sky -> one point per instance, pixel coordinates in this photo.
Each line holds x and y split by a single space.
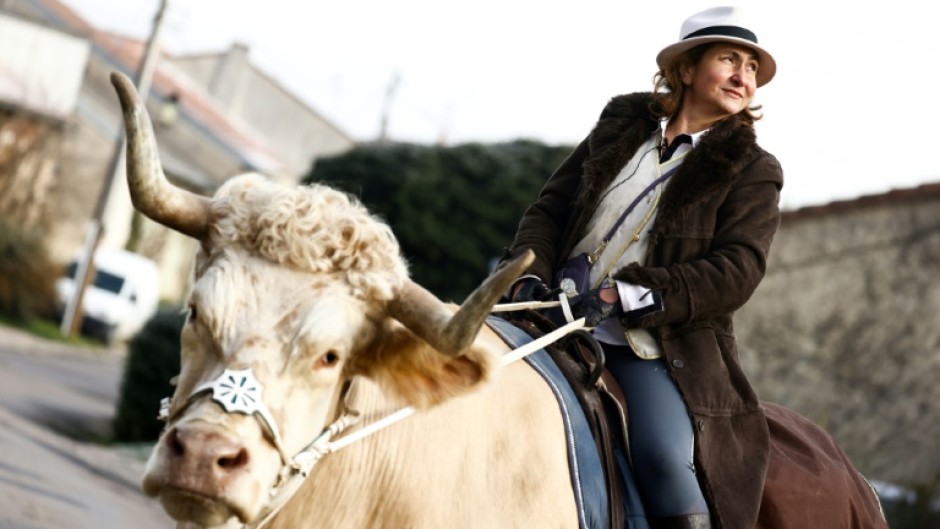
853 110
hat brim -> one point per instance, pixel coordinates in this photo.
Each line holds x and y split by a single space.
768 66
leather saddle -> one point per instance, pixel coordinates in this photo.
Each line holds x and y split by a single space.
581 361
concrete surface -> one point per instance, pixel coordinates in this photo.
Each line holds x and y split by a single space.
49 480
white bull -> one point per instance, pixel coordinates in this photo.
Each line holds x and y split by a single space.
307 290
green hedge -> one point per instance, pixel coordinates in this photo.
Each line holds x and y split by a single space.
453 208
153 358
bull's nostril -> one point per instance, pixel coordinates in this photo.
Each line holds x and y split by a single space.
232 462
197 447
174 444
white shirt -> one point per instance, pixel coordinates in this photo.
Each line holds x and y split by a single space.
631 240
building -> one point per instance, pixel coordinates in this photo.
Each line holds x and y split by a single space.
215 115
41 71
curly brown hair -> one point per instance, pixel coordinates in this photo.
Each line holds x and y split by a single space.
668 89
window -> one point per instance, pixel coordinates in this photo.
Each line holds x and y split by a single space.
103 280
108 281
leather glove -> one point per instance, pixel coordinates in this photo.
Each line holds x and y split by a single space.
532 289
592 308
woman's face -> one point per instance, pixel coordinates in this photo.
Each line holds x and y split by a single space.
722 83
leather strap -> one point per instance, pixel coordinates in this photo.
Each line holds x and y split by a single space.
639 197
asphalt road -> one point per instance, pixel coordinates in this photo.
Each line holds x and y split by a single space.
54 400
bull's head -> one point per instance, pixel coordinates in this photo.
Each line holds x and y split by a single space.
302 290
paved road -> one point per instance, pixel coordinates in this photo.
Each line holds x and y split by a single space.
48 480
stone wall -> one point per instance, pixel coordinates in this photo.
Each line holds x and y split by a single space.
29 146
845 328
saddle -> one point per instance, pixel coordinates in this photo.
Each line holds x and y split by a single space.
581 361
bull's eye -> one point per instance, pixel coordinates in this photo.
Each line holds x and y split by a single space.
328 359
192 313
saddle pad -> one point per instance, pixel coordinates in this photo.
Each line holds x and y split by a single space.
587 474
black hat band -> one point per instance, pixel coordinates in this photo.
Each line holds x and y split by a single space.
724 31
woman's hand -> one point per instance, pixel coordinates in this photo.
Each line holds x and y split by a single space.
596 306
530 289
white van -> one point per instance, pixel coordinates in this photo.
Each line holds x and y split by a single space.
123 295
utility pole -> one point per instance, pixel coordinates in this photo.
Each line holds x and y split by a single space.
72 317
387 106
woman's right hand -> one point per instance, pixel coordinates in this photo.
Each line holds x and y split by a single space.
530 289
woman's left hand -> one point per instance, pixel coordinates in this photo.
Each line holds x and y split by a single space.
596 306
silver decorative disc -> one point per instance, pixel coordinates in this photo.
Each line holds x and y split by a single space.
238 391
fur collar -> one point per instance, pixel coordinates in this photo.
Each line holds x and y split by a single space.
626 123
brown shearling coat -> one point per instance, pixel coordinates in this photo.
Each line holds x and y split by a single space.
708 252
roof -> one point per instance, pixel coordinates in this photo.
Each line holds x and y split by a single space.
921 193
195 104
218 55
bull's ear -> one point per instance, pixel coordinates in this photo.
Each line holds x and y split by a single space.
409 369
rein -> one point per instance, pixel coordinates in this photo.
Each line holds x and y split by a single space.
238 391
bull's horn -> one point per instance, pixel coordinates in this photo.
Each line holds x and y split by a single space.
151 193
428 317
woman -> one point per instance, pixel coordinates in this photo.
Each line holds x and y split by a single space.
699 200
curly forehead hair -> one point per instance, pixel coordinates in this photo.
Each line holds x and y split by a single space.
668 89
312 228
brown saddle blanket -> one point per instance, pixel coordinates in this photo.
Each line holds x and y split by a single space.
810 481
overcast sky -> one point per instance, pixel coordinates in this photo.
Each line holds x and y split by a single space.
853 110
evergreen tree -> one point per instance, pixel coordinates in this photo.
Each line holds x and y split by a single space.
453 209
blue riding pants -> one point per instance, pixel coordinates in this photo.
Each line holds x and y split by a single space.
661 435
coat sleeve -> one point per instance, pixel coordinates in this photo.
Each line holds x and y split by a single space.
722 280
544 222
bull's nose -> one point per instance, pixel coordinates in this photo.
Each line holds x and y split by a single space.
212 455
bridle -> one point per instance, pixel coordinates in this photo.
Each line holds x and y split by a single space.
239 391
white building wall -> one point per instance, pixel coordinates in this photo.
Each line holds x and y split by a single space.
41 69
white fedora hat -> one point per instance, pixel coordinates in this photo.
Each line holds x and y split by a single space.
719 24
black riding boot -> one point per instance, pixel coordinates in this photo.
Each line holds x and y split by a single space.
689 521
